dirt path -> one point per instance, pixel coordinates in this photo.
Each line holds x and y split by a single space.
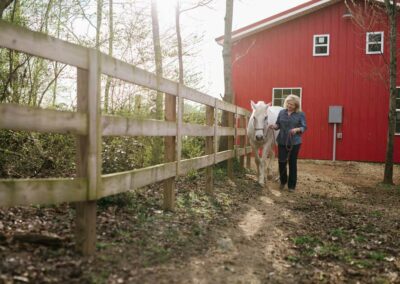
258 247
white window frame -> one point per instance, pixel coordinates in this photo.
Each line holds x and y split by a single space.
286 88
315 45
367 42
397 110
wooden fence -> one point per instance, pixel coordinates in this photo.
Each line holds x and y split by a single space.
89 126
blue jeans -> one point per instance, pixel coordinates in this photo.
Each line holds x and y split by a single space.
288 154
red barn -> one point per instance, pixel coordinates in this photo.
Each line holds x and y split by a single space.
317 51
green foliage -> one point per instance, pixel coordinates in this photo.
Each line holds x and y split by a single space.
27 155
122 154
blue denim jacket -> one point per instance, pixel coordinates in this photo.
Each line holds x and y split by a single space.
286 122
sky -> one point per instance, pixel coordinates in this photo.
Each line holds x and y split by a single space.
210 22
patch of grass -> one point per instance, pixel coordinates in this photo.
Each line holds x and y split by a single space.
362 263
338 232
376 255
329 250
376 213
305 240
360 239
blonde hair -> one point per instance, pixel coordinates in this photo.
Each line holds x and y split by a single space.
294 99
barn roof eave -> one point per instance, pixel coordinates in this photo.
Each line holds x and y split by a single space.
283 17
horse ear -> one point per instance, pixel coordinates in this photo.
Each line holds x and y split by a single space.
253 105
268 104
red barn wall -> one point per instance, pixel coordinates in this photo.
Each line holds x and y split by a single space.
281 57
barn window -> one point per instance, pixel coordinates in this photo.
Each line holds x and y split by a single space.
398 111
321 45
374 43
279 95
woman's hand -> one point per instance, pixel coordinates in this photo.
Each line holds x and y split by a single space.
295 130
272 126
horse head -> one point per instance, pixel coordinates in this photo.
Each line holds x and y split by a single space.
259 119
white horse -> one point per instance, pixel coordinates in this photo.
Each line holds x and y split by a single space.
261 136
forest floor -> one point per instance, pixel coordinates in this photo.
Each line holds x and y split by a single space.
339 226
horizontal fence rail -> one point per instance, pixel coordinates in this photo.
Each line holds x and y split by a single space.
89 126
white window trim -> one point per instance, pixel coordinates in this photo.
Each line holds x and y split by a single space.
316 45
397 110
367 43
287 88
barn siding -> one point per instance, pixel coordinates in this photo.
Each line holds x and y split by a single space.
282 57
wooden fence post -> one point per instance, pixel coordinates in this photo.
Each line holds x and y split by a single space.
248 156
170 153
210 150
242 140
88 153
230 145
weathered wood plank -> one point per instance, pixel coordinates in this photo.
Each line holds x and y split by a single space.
123 126
241 131
242 139
226 106
224 155
121 182
170 154
24 118
226 131
248 149
210 149
94 125
41 45
247 143
196 163
179 122
243 111
41 191
196 96
127 72
197 130
240 152
88 154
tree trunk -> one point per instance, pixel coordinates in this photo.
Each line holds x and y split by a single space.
226 54
98 24
56 73
110 52
179 38
157 142
391 12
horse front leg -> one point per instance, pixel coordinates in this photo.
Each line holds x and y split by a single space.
271 157
259 164
261 177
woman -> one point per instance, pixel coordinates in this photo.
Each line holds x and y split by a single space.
292 123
